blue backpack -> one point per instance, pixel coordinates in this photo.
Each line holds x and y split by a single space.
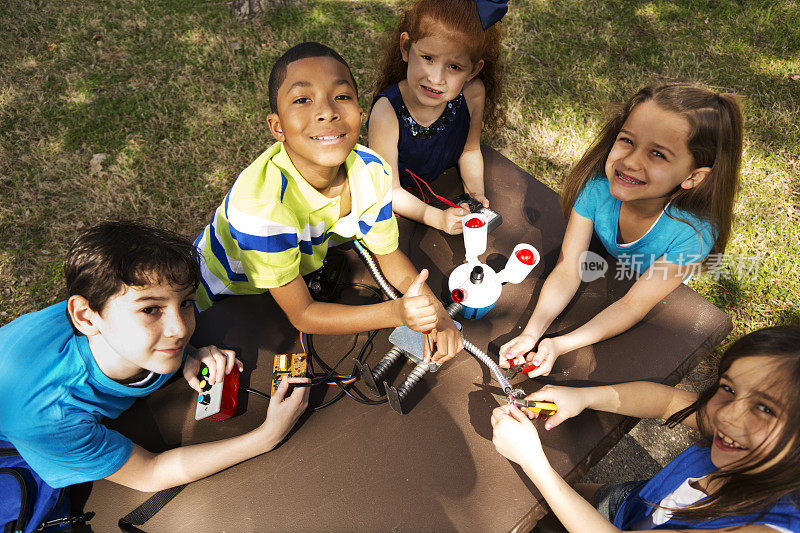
27 503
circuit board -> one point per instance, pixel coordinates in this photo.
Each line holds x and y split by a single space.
292 365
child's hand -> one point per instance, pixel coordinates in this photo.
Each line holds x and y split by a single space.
450 220
481 198
516 438
219 362
283 410
516 350
443 342
571 401
544 357
416 309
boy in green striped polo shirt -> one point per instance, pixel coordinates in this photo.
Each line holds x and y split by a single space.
312 186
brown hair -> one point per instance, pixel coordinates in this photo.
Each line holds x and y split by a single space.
715 141
107 257
456 18
745 490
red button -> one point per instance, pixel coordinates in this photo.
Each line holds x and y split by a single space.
458 295
474 222
525 256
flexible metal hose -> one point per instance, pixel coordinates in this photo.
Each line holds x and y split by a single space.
386 363
412 379
452 309
376 273
481 356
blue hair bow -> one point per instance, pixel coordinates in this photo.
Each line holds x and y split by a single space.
491 11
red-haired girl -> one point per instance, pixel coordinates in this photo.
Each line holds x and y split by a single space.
439 76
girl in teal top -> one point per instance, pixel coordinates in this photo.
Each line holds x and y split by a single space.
657 186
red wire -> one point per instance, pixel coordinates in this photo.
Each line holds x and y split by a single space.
417 181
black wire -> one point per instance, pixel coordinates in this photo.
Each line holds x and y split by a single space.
331 371
339 362
369 287
361 357
345 388
365 401
326 404
256 392
330 374
313 353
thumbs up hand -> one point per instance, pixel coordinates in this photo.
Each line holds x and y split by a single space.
416 308
415 289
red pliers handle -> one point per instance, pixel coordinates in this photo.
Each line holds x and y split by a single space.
516 369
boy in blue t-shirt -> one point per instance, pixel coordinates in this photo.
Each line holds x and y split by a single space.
121 334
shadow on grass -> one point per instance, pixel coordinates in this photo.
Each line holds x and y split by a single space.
175 94
728 293
787 317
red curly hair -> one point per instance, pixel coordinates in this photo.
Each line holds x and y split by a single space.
456 19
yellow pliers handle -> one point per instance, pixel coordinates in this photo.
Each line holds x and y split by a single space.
545 408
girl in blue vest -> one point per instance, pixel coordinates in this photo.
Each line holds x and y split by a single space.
743 475
439 74
657 187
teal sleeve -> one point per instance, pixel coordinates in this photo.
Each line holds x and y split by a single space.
586 202
74 452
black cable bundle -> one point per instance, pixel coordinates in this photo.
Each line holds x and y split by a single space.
348 389
329 375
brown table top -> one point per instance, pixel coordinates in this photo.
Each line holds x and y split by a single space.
353 467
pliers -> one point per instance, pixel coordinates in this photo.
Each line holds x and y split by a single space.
513 370
545 408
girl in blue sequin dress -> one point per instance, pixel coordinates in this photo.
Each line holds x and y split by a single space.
439 74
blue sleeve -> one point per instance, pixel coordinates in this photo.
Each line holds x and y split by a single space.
73 452
586 202
784 514
692 243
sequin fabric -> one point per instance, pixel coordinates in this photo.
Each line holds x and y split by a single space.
440 124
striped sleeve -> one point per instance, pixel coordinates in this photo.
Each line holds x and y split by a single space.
251 244
377 224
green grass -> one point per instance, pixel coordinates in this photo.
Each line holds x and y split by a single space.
174 93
